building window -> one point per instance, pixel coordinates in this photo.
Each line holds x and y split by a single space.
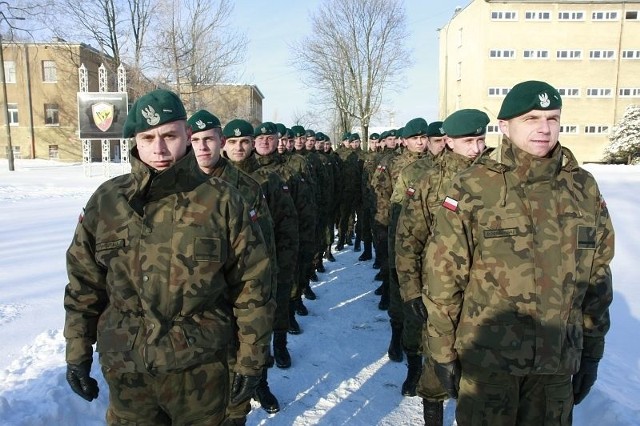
493 129
53 152
629 92
632 15
569 92
16 152
602 54
537 16
604 16
569 54
598 92
596 129
570 16
459 37
631 54
10 71
51 115
569 129
502 53
49 72
536 54
504 16
13 114
498 91
459 70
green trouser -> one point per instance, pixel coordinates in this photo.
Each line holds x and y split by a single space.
400 316
196 396
281 315
496 398
429 386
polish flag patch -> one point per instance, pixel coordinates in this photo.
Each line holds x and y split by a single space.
450 204
410 191
253 215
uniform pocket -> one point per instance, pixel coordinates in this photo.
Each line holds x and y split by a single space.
559 403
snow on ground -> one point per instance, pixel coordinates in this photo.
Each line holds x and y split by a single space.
340 373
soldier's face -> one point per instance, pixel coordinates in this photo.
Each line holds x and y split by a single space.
354 144
390 142
290 144
372 144
299 142
206 146
265 144
238 149
282 145
310 143
327 146
417 143
435 144
163 145
535 132
319 145
467 146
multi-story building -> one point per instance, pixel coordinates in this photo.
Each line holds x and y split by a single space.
589 50
41 81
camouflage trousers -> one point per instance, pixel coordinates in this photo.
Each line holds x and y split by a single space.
197 396
429 386
399 316
495 399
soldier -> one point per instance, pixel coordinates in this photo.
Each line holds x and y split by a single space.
420 188
332 165
351 192
368 197
166 265
435 142
519 285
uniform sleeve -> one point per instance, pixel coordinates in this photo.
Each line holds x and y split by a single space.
383 188
446 275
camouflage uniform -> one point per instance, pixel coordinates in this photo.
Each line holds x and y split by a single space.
519 284
333 168
165 271
368 197
351 192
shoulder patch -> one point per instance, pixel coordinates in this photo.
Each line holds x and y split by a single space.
252 215
81 216
285 188
410 191
450 204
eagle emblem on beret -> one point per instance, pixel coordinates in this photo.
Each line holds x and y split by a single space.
151 115
544 100
263 130
237 132
200 124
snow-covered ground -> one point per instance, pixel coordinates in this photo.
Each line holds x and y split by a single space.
340 373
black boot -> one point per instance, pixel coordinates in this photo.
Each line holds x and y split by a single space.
366 254
356 246
263 395
299 307
383 305
294 327
328 255
433 412
378 291
414 370
378 276
314 277
320 268
340 245
280 352
395 351
376 264
308 293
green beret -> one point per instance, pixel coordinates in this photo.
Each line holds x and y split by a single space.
384 134
346 136
203 120
310 133
237 128
374 136
392 132
282 129
297 131
528 95
153 109
435 129
354 137
266 128
466 122
321 137
415 127
400 132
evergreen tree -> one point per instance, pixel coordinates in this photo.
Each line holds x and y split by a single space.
625 138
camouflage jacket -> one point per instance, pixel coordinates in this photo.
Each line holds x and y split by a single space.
283 212
384 180
319 173
419 192
519 278
162 269
351 175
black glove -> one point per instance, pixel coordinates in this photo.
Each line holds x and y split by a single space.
243 387
449 375
584 379
417 308
80 381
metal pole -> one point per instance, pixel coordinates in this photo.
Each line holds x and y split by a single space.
6 109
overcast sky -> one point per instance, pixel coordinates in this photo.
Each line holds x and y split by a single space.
274 25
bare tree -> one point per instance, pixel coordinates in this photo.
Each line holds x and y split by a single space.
355 53
198 47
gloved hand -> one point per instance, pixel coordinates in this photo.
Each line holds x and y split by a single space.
243 387
80 381
584 379
417 308
449 375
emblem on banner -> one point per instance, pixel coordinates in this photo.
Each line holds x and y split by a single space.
102 114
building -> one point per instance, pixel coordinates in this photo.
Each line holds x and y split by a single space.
228 102
589 50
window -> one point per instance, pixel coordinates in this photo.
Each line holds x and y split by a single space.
10 71
604 16
498 91
570 16
493 128
596 129
13 114
53 152
569 92
599 92
16 152
504 53
631 15
459 70
631 54
537 16
459 37
536 54
504 16
569 54
602 54
569 128
49 72
629 92
51 115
